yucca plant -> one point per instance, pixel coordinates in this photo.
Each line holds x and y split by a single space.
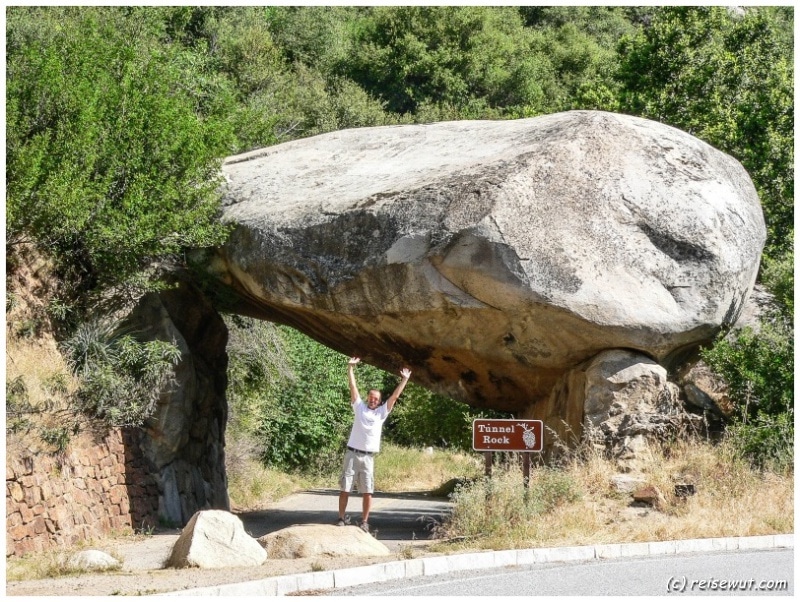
122 378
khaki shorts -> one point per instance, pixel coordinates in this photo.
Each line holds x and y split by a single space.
359 465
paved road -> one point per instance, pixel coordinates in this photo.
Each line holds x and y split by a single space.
756 572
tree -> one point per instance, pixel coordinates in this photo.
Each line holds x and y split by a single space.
113 138
457 56
280 60
581 44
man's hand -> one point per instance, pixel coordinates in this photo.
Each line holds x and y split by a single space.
353 361
405 373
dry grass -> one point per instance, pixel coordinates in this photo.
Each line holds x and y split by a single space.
399 469
49 564
254 485
38 382
42 368
577 504
38 386
41 565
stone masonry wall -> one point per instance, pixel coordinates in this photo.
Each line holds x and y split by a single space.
91 490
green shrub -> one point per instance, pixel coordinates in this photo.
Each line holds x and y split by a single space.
409 56
777 275
18 406
58 437
759 369
114 138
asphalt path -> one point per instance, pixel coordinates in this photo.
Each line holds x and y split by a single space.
743 572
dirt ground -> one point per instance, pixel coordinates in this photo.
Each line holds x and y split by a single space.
131 582
400 521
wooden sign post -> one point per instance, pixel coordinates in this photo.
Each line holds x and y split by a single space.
508 434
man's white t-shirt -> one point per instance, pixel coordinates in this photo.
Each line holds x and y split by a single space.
367 425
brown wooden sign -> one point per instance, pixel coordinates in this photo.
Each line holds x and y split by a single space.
507 434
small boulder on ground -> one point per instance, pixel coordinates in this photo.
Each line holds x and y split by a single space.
626 483
307 541
651 496
93 560
215 539
706 390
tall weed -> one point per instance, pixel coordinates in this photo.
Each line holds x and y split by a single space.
501 511
578 504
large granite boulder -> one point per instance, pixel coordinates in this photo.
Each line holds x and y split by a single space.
619 400
494 256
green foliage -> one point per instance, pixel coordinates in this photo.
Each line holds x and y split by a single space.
760 372
777 275
57 437
408 56
56 384
18 406
422 419
113 140
487 62
315 36
122 379
580 42
306 421
257 365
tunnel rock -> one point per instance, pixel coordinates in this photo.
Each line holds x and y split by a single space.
492 257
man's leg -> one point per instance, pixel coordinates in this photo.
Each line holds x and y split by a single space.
343 497
366 504
366 491
346 484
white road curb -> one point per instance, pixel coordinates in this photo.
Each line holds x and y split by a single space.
437 565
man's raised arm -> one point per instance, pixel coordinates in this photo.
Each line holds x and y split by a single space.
406 374
351 379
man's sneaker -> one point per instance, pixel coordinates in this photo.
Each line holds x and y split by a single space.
364 526
343 521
